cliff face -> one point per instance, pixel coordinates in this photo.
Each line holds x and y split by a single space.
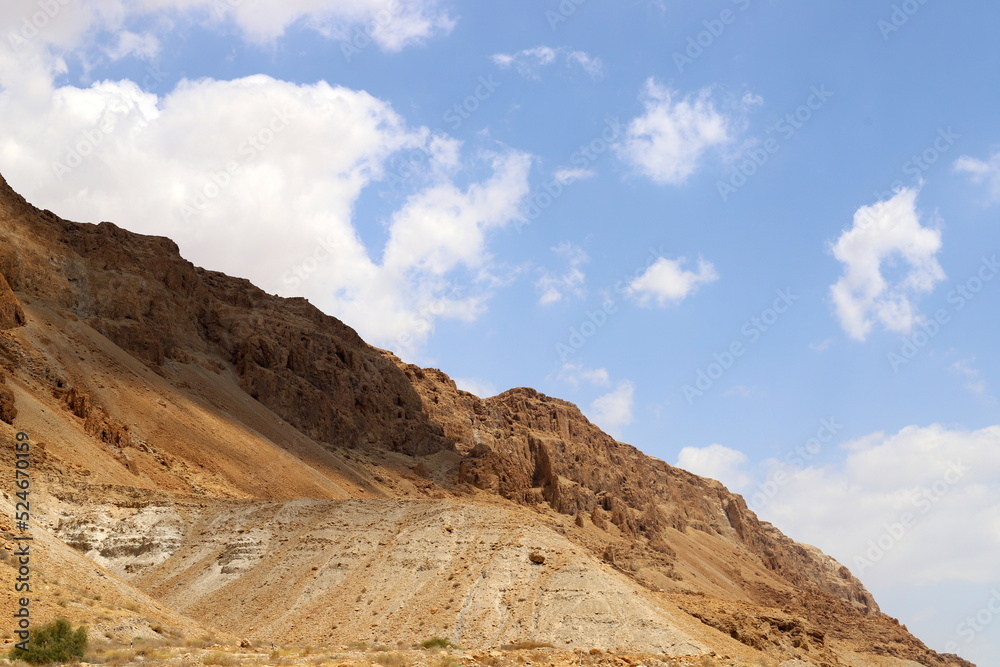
532 449
147 373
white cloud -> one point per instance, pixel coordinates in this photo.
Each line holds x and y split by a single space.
216 164
743 391
390 24
613 411
973 377
590 64
553 287
821 346
884 235
918 506
129 43
751 100
667 143
529 62
568 176
982 171
667 282
575 374
480 388
717 462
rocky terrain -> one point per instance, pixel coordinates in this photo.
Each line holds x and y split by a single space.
210 460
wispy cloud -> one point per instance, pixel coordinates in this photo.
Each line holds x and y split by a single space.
554 287
973 376
568 176
530 62
986 172
576 374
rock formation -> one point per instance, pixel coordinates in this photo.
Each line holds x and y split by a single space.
252 464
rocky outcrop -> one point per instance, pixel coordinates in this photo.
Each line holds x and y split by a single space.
8 411
11 312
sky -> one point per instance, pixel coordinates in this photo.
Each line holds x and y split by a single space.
757 239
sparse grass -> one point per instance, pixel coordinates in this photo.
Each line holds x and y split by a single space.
448 661
114 657
219 658
437 642
154 652
392 660
200 642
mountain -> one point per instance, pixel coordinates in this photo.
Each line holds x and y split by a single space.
210 458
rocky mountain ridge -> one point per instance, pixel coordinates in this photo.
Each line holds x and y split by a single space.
171 397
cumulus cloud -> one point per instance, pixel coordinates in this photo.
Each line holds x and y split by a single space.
915 507
885 235
667 143
259 178
553 287
667 282
986 172
717 462
613 411
529 62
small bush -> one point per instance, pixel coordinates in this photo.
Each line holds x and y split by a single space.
437 642
54 642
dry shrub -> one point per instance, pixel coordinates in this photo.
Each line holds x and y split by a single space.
392 660
219 658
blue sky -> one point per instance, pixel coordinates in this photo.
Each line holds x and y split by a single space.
754 238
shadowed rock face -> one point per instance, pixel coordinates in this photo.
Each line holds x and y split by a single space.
395 430
311 369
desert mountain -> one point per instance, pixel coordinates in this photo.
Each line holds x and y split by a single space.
211 458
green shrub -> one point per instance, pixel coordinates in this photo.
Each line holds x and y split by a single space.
54 642
437 642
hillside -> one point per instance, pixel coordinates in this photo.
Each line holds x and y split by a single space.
210 458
